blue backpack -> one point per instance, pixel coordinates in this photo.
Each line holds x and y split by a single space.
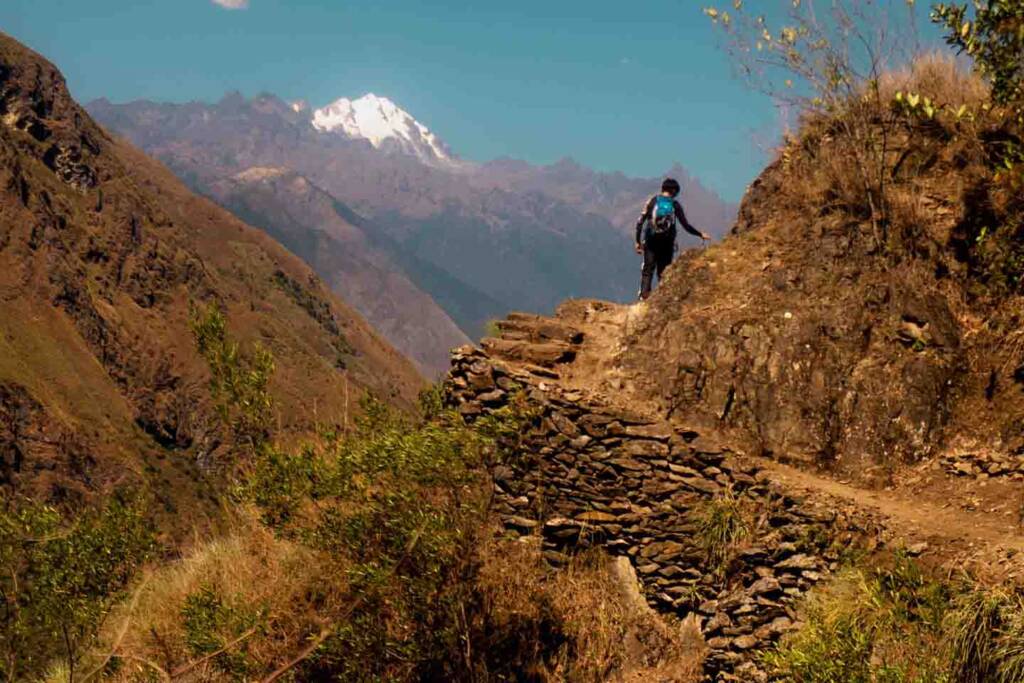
663 215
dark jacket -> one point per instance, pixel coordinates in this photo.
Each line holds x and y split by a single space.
645 218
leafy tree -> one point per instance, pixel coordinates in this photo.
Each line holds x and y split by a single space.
995 40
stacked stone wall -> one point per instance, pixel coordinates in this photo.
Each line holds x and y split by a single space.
588 474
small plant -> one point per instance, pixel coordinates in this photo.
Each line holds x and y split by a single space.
721 524
916 105
492 328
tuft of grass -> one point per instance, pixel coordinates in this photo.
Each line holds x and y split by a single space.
896 623
722 524
491 328
987 637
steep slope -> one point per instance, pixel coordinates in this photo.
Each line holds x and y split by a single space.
102 254
312 224
478 241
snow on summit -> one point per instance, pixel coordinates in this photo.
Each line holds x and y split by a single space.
382 123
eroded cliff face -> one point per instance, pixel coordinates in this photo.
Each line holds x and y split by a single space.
102 254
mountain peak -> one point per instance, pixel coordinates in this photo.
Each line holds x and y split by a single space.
383 123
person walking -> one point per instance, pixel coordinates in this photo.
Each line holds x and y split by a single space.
656 233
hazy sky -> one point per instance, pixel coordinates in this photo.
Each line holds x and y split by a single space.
630 86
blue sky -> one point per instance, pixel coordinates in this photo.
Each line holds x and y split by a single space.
630 86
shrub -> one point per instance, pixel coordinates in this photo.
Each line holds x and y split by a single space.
238 379
59 578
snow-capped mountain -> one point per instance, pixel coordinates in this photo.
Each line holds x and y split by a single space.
384 124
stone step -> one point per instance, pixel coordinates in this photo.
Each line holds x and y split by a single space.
538 329
545 355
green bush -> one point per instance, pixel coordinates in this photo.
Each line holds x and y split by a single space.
869 626
59 578
210 624
994 38
238 379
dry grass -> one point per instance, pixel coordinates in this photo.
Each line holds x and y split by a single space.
278 590
871 163
587 622
603 629
938 76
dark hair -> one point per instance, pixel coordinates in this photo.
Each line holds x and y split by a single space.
670 185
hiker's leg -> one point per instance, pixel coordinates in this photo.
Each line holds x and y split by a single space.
664 259
647 273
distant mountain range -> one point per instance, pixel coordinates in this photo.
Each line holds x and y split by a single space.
429 247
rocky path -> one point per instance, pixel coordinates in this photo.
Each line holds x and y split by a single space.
599 464
957 521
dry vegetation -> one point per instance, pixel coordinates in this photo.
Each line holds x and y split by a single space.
249 601
368 555
586 622
909 154
249 596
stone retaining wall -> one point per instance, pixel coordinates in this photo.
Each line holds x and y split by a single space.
589 474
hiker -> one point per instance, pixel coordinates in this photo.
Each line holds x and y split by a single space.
657 241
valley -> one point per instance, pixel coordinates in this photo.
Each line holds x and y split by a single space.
476 240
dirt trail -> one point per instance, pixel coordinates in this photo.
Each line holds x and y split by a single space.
962 521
